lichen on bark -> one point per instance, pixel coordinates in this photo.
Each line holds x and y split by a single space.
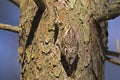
42 31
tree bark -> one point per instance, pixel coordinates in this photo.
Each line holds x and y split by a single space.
43 24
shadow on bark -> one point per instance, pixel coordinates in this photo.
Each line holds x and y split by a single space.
34 27
56 33
69 69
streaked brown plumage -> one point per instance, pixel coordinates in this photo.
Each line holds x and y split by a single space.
69 46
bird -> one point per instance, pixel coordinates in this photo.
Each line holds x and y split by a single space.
69 46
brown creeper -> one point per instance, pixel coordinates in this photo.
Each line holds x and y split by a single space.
69 46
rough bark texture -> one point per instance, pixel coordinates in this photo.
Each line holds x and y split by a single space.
44 23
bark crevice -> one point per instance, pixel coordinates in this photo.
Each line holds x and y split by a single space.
70 70
34 27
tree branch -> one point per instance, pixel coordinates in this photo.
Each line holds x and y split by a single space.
7 27
16 2
111 53
113 12
114 61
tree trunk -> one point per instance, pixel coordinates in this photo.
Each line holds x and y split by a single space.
45 23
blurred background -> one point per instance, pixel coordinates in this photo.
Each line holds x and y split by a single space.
9 66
